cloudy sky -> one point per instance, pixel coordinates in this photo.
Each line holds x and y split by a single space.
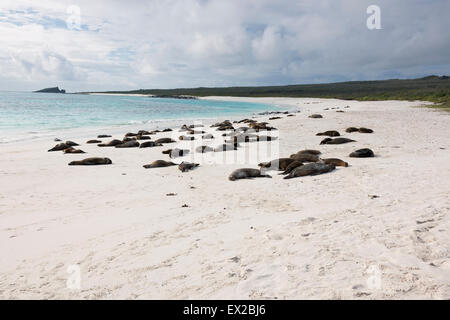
108 45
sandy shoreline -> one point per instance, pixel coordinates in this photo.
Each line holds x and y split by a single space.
321 237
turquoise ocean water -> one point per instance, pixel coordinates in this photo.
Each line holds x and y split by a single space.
25 115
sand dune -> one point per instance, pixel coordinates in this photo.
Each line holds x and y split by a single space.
375 230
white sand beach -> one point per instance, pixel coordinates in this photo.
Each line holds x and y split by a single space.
378 229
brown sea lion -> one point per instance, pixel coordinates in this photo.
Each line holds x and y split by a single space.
292 166
91 162
93 141
174 153
208 136
131 134
365 130
310 151
71 143
159 164
291 115
59 147
111 143
330 133
167 130
310 169
362 153
305 157
335 161
274 118
226 147
336 141
165 140
129 144
149 144
222 124
127 139
351 129
247 173
139 137
278 164
186 166
225 127
185 138
73 150
103 136
143 132
203 149
315 116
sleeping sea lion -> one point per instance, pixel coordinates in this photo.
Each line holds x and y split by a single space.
186 166
159 164
226 147
129 144
91 162
174 153
139 137
165 140
362 153
71 143
185 138
310 151
73 150
167 130
111 143
315 116
305 157
203 149
278 164
93 141
59 147
192 126
310 169
351 129
103 136
274 118
330 133
336 141
149 144
292 166
335 161
365 130
143 132
247 173
131 134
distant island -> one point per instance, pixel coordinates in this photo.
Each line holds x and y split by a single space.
51 90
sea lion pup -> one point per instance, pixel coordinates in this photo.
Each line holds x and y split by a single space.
91 162
274 118
336 141
159 164
167 130
334 161
149 144
310 169
292 166
57 140
111 143
315 116
265 138
73 150
247 173
351 129
129 144
165 140
186 166
186 138
174 153
305 157
208 136
330 133
365 130
203 149
59 147
278 164
103 136
362 153
93 141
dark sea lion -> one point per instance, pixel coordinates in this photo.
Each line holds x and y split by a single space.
340 111
305 157
174 153
310 151
143 132
278 164
247 173
131 134
310 169
57 140
336 141
129 144
185 138
226 147
159 164
335 161
292 166
59 147
351 129
111 143
203 149
208 136
362 153
165 140
315 116
103 136
183 128
91 162
274 118
186 166
167 130
149 144
73 150
291 115
330 133
72 144
225 127
265 138
365 130
139 137
126 139
222 124
93 141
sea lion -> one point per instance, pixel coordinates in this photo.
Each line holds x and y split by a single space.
57 140
167 130
73 150
292 166
305 157
165 140
149 144
131 134
208 136
310 169
93 141
225 127
315 116
247 173
203 149
192 126
139 137
100 136
129 144
143 132
111 143
336 141
159 164
221 124
310 151
186 166
274 118
291 115
185 138
91 162
71 143
174 153
127 139
265 138
226 147
330 133
365 130
351 129
59 147
362 153
278 164
184 128
196 131
335 161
